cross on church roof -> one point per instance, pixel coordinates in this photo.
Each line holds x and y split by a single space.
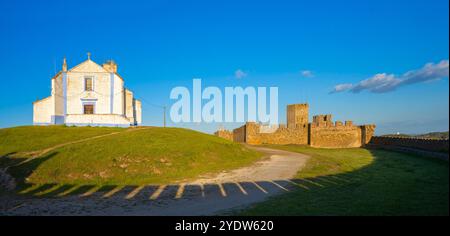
89 55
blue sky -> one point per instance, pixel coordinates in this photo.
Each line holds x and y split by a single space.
162 44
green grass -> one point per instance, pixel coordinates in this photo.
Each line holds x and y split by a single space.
34 138
362 182
146 156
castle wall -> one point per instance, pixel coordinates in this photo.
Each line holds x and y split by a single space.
367 132
335 136
282 135
224 134
321 133
434 145
239 134
324 120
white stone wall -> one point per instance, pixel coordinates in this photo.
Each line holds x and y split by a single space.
97 119
43 111
129 109
77 96
118 95
138 105
57 93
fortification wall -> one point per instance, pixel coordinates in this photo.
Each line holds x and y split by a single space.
367 132
335 136
224 134
322 132
434 145
282 135
239 134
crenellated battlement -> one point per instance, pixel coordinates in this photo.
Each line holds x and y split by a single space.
321 132
324 121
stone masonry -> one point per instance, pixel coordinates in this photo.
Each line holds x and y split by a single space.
322 132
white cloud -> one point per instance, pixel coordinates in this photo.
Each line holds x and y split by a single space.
239 74
307 73
341 87
382 83
429 72
379 83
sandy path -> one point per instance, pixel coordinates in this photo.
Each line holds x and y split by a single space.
206 196
277 165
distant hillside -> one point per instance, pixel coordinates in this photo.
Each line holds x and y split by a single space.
439 135
432 135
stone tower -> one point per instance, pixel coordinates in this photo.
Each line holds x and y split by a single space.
297 114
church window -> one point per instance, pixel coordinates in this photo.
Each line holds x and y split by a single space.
88 109
88 84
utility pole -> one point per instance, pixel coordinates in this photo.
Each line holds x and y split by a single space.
164 116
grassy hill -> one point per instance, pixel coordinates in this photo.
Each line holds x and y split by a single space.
358 181
34 138
129 156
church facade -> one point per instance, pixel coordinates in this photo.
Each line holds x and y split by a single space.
88 95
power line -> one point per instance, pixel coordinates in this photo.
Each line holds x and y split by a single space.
157 106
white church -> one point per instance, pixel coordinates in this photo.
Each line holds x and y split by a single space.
88 94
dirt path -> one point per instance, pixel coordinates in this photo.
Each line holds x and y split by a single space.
276 165
209 195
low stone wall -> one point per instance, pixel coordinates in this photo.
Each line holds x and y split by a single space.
282 135
434 145
224 134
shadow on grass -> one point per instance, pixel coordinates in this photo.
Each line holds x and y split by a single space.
393 184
